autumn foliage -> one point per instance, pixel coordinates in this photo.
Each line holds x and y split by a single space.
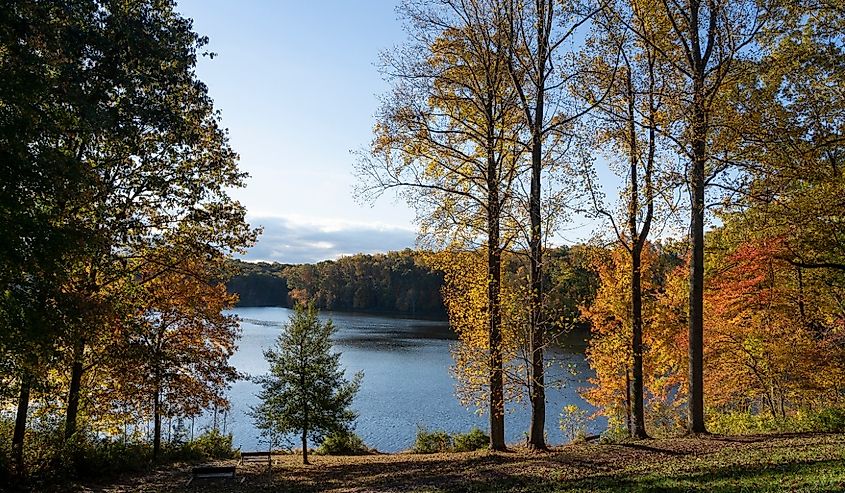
464 294
774 333
664 336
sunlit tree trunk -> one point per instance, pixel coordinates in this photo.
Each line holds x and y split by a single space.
75 389
536 435
494 266
637 407
20 424
696 299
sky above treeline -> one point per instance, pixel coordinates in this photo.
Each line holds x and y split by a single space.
297 86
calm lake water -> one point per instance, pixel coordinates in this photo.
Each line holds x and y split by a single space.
406 379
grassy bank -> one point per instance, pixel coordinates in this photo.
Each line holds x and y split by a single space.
805 462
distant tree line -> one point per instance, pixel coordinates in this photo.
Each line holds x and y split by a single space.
259 283
394 282
399 282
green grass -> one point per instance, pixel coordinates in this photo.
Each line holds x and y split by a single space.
810 477
791 467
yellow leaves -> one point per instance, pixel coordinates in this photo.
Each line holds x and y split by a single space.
465 296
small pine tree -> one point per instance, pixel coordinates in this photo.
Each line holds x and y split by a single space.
305 392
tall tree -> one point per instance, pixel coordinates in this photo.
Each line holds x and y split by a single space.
448 135
173 360
611 320
162 165
464 293
704 44
630 90
42 185
536 33
306 391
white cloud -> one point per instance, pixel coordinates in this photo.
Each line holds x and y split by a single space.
297 239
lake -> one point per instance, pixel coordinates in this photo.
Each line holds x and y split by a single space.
406 379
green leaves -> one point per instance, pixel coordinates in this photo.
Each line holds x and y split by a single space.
306 390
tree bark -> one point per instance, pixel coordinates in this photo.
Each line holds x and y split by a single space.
637 408
494 268
156 423
536 435
304 406
20 425
696 300
638 239
537 432
305 445
76 370
629 423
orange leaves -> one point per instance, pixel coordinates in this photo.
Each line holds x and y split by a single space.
177 345
664 330
770 330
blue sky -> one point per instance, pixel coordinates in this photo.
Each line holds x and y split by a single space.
297 86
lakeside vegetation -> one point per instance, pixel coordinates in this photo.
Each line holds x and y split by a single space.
404 283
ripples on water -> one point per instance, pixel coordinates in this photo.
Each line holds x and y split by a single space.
406 379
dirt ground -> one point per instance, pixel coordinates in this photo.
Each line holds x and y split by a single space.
578 467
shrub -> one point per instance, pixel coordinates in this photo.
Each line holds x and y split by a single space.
829 420
430 442
467 442
212 445
97 457
616 431
342 443
573 422
53 460
664 418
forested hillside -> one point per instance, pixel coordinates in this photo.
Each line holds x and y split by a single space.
259 283
403 283
396 282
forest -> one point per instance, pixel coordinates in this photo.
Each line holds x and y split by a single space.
394 282
402 283
702 139
723 120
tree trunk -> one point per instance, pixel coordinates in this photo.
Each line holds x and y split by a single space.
305 446
20 425
76 370
536 435
156 423
696 291
305 429
629 423
637 407
304 409
494 269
